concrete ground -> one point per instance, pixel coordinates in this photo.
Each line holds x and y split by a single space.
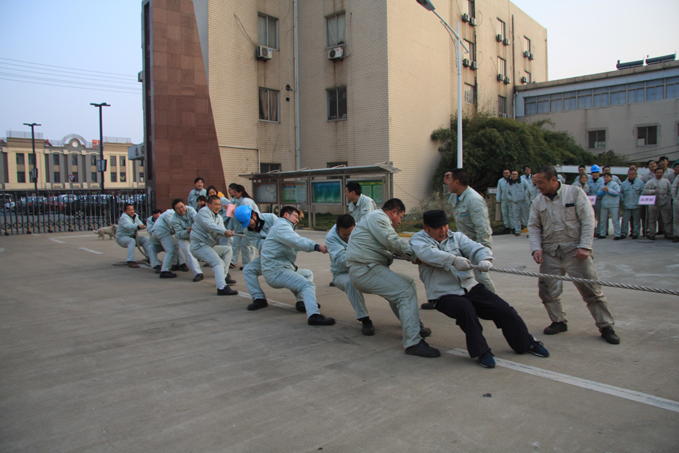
97 357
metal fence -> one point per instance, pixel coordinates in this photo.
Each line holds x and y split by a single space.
62 211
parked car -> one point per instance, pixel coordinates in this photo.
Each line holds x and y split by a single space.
32 204
7 203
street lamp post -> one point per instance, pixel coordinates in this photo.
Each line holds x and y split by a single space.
34 172
101 165
455 36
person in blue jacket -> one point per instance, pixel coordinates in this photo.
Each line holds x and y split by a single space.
610 204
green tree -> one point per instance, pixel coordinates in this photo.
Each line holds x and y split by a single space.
492 144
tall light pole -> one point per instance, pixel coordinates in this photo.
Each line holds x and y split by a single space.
34 172
455 36
101 165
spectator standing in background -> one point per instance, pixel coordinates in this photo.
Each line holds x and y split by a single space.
630 191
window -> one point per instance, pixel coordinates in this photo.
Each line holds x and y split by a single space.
471 8
123 176
268 105
337 103
472 50
335 28
647 135
601 97
635 92
584 99
265 167
526 45
618 95
267 31
122 161
655 90
114 161
502 105
114 176
672 88
55 159
556 103
569 101
529 77
468 93
93 168
597 139
337 164
21 167
501 28
543 104
530 106
122 169
501 66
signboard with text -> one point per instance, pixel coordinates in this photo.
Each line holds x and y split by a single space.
374 190
647 200
294 192
327 192
592 199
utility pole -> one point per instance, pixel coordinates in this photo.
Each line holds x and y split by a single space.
34 172
101 165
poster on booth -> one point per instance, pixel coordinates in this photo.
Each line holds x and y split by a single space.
374 190
294 192
327 192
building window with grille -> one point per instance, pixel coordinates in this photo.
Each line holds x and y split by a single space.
267 31
501 28
501 67
472 50
266 167
31 166
335 27
528 76
122 169
468 93
341 163
114 169
93 168
56 168
268 105
74 167
597 139
526 44
502 105
647 135
337 103
471 8
21 167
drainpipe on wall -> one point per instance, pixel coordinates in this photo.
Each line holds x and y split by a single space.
298 153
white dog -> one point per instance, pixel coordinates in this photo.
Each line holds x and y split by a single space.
111 231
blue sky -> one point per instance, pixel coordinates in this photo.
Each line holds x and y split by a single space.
101 40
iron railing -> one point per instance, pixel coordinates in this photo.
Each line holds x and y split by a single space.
62 211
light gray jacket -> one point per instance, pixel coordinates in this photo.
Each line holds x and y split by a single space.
257 238
501 194
163 226
364 206
337 249
630 191
661 188
471 216
128 226
566 222
437 271
208 228
374 242
181 223
192 200
279 250
517 192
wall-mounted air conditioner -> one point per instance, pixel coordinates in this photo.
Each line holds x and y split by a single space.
530 57
465 62
264 53
336 53
500 77
499 38
526 54
503 115
505 41
507 80
465 17
475 65
524 79
472 21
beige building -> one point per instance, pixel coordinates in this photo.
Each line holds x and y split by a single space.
365 82
73 157
633 112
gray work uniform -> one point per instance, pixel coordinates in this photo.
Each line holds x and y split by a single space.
610 204
206 231
337 249
585 187
369 254
126 237
675 202
558 228
505 204
192 200
181 225
662 189
518 195
363 206
253 269
240 244
630 191
471 218
595 187
162 239
279 253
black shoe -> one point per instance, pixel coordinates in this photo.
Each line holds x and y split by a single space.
651 238
302 308
635 236
229 280
608 334
332 284
167 274
427 306
241 268
368 328
556 327
226 292
538 349
507 230
257 304
198 278
423 350
175 267
486 360
424 331
617 238
184 268
157 269
320 320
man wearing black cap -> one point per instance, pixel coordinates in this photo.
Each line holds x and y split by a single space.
447 259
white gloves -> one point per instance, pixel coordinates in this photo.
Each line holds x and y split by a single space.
484 266
461 264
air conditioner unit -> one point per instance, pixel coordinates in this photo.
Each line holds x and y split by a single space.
503 115
530 57
499 38
336 53
500 77
264 53
526 54
507 80
524 79
475 65
472 21
465 17
505 41
465 62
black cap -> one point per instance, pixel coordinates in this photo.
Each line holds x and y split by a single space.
435 218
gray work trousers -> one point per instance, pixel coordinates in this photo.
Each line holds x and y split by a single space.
550 290
633 216
299 282
665 214
168 244
398 289
218 257
506 208
251 274
356 299
130 244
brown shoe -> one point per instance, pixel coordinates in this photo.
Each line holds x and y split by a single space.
132 264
